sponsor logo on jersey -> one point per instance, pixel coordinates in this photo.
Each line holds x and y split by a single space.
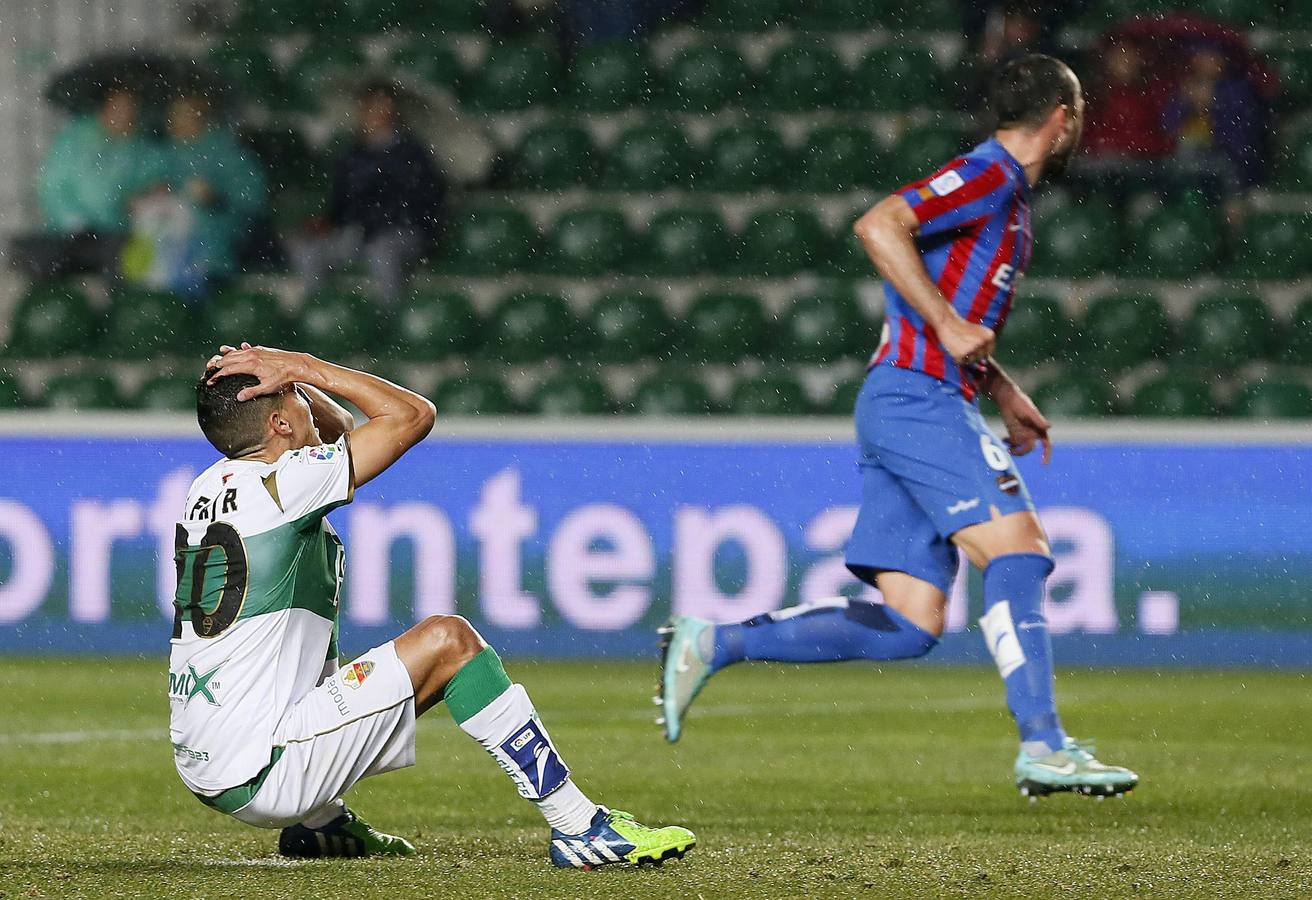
946 183
184 686
324 453
355 674
338 699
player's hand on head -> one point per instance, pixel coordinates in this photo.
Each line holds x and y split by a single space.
274 368
224 351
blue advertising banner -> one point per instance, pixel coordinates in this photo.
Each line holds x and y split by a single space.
1168 553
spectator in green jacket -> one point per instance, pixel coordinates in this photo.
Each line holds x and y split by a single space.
206 165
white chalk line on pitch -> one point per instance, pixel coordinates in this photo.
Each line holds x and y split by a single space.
78 737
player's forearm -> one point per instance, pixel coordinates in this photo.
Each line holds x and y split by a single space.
889 240
376 397
330 417
995 382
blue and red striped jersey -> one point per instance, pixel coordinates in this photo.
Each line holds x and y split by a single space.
975 241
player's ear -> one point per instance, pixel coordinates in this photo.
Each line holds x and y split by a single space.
278 423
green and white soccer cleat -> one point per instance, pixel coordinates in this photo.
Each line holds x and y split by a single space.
346 836
1073 768
686 647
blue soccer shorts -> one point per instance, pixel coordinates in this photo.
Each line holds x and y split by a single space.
930 467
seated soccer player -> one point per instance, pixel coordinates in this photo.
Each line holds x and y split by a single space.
265 725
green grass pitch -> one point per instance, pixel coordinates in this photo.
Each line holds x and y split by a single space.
825 781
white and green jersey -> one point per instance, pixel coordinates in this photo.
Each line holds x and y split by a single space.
259 572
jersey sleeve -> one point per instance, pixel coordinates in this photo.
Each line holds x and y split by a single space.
962 192
313 481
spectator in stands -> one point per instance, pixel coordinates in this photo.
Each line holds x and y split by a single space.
1012 29
1217 119
223 184
387 202
97 166
1123 118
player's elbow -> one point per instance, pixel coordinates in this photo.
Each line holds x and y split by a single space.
423 417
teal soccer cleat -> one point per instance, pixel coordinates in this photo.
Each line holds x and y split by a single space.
685 643
345 836
1073 768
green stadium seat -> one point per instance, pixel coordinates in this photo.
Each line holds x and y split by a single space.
671 393
1174 241
263 17
802 77
769 395
255 75
435 324
840 15
824 326
744 158
627 325
334 324
779 242
1122 330
513 76
1073 396
846 257
723 327
1294 66
167 393
1274 246
529 326
842 401
286 158
589 242
570 394
1294 169
1229 329
704 78
743 15
1298 334
434 63
1037 331
428 16
240 315
1274 398
921 151
80 391
838 158
1173 396
11 395
144 323
683 242
490 241
649 157
551 157
1077 240
51 320
321 68
1243 14
474 395
607 78
897 78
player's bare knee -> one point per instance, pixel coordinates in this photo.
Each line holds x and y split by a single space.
452 638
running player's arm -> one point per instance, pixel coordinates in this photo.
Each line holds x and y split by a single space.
1026 426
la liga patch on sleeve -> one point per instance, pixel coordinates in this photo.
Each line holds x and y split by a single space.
946 183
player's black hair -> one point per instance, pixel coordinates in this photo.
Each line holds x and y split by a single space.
233 426
1026 90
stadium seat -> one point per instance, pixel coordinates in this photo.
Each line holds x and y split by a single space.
1242 14
743 15
769 395
1294 66
335 324
845 257
744 158
240 315
838 158
823 327
434 63
1274 246
1175 396
1122 330
513 76
1294 168
529 326
51 320
434 324
840 15
255 75
1036 331
589 242
429 16
607 78
490 241
1298 334
842 401
144 323
474 395
723 327
264 17
1074 395
924 15
778 242
801 77
921 151
570 394
1273 398
287 159
897 78
683 242
551 157
704 78
1175 241
671 393
322 67
1229 329
80 391
649 157
167 393
626 326
1076 241
11 396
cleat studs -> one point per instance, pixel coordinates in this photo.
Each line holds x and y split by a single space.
660 720
657 701
1033 798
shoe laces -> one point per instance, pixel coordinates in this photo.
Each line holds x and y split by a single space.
1082 750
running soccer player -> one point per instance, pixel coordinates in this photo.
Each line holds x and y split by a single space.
950 248
265 725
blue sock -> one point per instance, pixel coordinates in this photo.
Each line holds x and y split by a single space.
1017 636
827 631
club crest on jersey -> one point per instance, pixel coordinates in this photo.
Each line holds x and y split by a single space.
324 453
355 674
946 183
